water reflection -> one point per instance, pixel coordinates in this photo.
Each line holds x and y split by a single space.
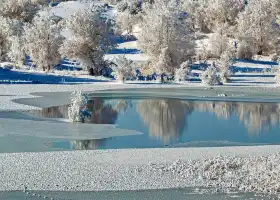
166 119
88 144
257 117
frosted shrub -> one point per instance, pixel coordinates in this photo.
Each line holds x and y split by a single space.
244 51
16 53
123 69
224 64
162 30
90 39
6 30
219 41
22 10
183 73
42 40
257 22
77 110
210 76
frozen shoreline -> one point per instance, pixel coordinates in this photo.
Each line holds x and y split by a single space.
59 94
134 169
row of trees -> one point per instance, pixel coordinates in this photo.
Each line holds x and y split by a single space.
24 32
238 29
169 29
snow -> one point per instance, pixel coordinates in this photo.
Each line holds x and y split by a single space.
140 169
65 9
71 131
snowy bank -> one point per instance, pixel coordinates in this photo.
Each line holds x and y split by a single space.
143 169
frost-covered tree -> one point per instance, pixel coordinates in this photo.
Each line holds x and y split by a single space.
223 65
245 50
197 14
89 40
125 22
163 29
16 51
130 6
123 69
223 11
7 29
257 25
184 72
210 76
219 41
42 40
164 62
23 10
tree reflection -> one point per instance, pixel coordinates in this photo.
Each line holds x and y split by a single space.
88 144
166 119
123 105
257 117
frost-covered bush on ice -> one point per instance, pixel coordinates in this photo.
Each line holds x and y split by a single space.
184 72
210 76
123 69
77 110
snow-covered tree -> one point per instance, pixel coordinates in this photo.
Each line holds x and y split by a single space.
223 11
16 51
257 25
223 66
23 10
163 29
42 40
125 22
245 50
123 69
131 6
7 29
196 14
219 41
184 72
164 62
210 76
89 39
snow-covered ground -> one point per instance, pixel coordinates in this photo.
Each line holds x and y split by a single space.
139 169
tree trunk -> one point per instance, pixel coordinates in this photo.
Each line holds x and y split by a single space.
90 72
